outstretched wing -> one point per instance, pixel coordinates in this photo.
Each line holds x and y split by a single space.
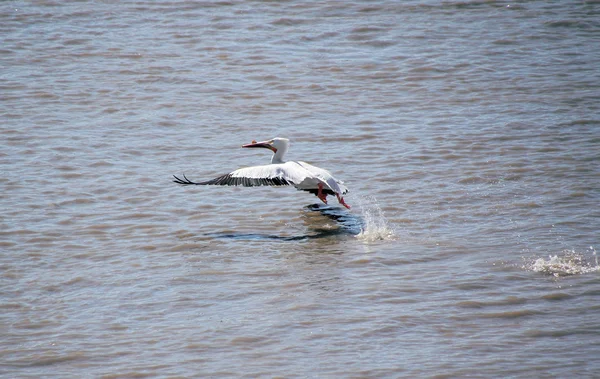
267 175
229 180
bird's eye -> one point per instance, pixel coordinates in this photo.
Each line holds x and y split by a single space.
253 141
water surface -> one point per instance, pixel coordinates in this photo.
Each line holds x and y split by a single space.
467 132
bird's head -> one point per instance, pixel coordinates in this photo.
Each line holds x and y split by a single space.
278 146
274 144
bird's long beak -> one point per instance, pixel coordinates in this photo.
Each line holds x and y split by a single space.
265 144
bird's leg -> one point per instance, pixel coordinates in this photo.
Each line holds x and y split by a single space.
321 195
341 200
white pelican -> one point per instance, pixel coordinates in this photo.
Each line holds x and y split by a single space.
301 175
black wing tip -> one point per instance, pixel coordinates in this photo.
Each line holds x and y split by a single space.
221 180
184 181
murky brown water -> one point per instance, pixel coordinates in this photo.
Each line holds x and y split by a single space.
467 132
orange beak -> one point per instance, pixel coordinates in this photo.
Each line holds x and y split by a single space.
264 144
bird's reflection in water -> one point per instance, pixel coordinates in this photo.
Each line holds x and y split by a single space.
321 221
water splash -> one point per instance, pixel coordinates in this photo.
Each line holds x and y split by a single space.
375 226
569 262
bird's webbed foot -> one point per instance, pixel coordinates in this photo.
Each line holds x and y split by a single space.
341 201
322 196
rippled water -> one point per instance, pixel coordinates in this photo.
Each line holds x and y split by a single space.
467 132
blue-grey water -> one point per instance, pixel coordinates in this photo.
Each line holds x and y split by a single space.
467 132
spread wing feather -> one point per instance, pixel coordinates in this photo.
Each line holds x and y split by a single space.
267 175
229 180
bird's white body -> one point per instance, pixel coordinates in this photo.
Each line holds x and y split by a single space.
301 175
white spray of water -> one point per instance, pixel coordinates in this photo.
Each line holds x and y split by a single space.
375 226
568 263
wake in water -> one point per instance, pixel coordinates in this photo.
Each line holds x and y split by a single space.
375 226
370 226
569 262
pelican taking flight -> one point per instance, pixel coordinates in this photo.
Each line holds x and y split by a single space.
301 175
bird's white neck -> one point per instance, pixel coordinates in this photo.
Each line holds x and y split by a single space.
281 145
277 157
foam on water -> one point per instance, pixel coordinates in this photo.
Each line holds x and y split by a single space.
375 226
569 262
